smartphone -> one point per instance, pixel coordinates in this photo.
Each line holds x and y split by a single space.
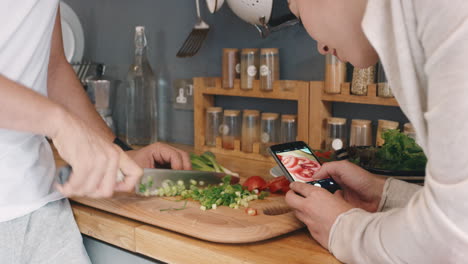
298 163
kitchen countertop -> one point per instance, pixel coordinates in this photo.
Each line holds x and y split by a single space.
172 247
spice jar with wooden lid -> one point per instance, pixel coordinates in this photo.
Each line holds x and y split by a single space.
231 128
288 128
214 119
269 129
250 130
231 60
361 133
249 68
335 74
408 130
336 133
269 68
383 88
382 126
361 79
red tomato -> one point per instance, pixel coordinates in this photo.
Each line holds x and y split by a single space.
255 182
278 184
289 161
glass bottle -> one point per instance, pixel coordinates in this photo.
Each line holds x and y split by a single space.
249 68
288 128
230 62
361 79
141 96
361 133
231 128
270 130
384 125
269 68
336 133
383 88
408 130
214 119
250 130
335 74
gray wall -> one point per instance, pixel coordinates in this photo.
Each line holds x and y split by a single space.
109 28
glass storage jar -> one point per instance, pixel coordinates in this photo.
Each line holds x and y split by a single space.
269 68
336 133
250 130
214 118
361 79
335 74
231 128
383 88
288 128
249 68
269 130
361 133
408 130
382 126
230 62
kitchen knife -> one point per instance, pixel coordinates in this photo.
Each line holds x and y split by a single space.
155 178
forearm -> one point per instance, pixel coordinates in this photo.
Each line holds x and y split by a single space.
23 109
65 89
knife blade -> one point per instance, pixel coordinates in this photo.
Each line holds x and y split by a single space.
155 178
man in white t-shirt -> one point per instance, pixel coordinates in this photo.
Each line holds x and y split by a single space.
423 46
41 96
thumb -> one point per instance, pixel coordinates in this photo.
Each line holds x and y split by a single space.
131 171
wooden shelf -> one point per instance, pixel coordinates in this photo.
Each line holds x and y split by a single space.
205 89
370 98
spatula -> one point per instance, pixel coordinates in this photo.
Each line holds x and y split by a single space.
194 41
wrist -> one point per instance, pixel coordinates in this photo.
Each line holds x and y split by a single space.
57 118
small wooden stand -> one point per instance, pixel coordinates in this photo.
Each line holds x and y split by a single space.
205 89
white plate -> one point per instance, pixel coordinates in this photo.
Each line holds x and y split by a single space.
72 34
276 172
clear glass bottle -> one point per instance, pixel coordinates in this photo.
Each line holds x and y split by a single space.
336 133
361 79
214 119
230 62
141 96
381 127
335 74
288 128
231 128
383 88
250 130
270 130
269 68
361 133
249 68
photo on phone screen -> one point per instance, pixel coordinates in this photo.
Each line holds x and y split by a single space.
299 164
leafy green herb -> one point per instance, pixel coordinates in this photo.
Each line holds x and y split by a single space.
207 162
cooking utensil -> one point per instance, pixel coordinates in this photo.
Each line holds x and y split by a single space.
64 172
194 41
156 178
214 5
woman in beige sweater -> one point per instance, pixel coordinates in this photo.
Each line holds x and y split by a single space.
423 46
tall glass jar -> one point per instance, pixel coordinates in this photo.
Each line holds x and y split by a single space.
269 68
270 130
335 74
361 79
249 68
382 126
214 119
361 133
231 128
383 88
230 62
408 130
336 133
141 96
250 130
288 128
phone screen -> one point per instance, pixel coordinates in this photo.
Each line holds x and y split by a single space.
299 162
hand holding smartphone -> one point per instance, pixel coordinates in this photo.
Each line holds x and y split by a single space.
298 163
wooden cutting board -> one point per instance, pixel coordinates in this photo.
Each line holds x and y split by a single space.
223 225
